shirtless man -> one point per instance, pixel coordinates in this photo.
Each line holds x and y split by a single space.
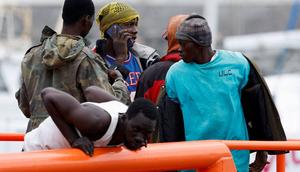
100 122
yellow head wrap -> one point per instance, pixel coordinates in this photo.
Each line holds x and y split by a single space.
114 13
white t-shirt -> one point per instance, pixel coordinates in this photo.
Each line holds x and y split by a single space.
48 136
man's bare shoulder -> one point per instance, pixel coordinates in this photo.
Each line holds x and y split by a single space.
98 120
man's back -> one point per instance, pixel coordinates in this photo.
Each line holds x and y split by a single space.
48 135
151 81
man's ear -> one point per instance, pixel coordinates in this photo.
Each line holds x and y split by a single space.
85 20
90 18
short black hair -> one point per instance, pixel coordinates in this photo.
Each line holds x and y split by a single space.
73 10
141 105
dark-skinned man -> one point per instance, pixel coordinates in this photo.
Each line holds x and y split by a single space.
118 25
221 94
65 62
100 122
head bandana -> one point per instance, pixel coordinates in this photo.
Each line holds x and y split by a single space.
114 13
170 33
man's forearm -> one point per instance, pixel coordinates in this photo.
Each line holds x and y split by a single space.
68 131
97 94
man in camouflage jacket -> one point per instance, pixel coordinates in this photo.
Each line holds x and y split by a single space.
63 61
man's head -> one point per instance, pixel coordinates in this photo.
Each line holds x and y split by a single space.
79 14
193 35
141 120
117 13
170 34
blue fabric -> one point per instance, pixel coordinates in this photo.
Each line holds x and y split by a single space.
209 95
134 70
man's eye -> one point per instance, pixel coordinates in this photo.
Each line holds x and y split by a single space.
130 24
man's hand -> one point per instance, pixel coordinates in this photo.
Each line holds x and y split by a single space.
259 162
85 145
120 38
114 74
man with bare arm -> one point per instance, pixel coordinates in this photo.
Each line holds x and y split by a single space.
100 122
65 62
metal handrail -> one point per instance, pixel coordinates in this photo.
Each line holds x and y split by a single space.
11 137
199 155
291 144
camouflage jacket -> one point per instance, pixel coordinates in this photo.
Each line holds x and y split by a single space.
63 62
